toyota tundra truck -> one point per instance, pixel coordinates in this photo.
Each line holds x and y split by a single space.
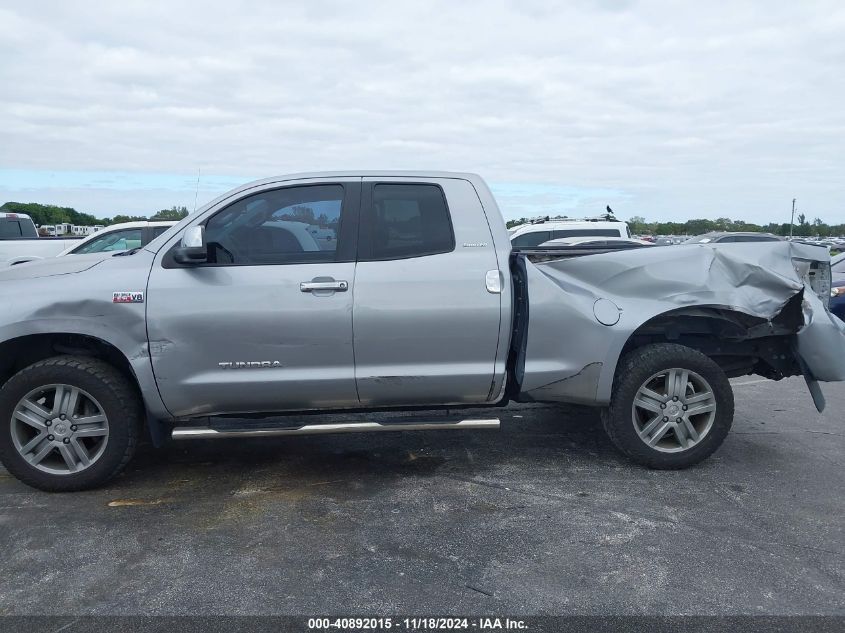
414 301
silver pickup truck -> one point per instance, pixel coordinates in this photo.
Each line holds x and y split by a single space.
357 292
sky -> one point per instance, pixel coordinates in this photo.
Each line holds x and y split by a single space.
660 108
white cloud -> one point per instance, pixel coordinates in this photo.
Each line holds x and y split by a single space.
683 109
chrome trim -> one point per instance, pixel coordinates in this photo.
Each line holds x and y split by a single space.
189 433
311 286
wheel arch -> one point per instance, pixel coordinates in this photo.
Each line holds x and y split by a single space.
740 343
24 350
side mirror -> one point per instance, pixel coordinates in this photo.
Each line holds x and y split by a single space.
193 249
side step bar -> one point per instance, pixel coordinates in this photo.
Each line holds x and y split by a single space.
204 432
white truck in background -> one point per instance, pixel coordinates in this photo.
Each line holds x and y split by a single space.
545 229
19 240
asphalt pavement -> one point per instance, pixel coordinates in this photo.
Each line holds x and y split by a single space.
540 517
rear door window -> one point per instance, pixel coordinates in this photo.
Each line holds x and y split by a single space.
406 220
760 238
535 238
10 229
585 233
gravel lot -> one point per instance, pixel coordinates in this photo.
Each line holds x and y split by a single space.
541 517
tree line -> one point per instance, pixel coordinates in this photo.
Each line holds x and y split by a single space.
43 214
802 227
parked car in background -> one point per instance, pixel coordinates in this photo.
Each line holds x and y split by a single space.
837 267
837 298
719 237
597 242
19 240
669 240
544 230
117 237
299 235
324 237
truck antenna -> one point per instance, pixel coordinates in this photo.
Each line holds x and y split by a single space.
197 191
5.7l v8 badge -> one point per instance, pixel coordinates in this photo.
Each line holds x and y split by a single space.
128 296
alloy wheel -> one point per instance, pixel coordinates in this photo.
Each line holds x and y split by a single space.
673 410
59 429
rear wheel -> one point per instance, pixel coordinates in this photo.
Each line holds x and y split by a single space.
672 406
68 423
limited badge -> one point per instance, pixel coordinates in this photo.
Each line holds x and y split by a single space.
128 297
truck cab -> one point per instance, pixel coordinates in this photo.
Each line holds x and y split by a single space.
355 322
15 226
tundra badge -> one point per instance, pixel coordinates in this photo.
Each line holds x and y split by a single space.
249 364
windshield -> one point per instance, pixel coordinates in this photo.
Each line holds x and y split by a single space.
700 239
110 242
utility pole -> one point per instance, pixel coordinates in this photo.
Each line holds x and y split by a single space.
792 219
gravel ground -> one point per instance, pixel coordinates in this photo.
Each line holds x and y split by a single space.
541 517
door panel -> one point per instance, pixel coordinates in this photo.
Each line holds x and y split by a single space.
426 328
233 337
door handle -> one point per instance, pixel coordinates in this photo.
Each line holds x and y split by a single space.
335 286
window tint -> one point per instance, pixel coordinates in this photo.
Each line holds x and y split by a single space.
10 228
760 238
283 226
586 233
113 241
534 238
409 221
748 238
155 231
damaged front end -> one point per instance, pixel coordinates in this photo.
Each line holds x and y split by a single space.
754 308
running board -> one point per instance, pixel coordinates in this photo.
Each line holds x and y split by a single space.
204 432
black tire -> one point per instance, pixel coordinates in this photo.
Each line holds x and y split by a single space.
634 371
117 397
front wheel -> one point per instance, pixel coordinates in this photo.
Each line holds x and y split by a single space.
672 406
68 423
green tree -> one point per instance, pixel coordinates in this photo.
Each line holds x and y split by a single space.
699 226
637 224
173 213
50 214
